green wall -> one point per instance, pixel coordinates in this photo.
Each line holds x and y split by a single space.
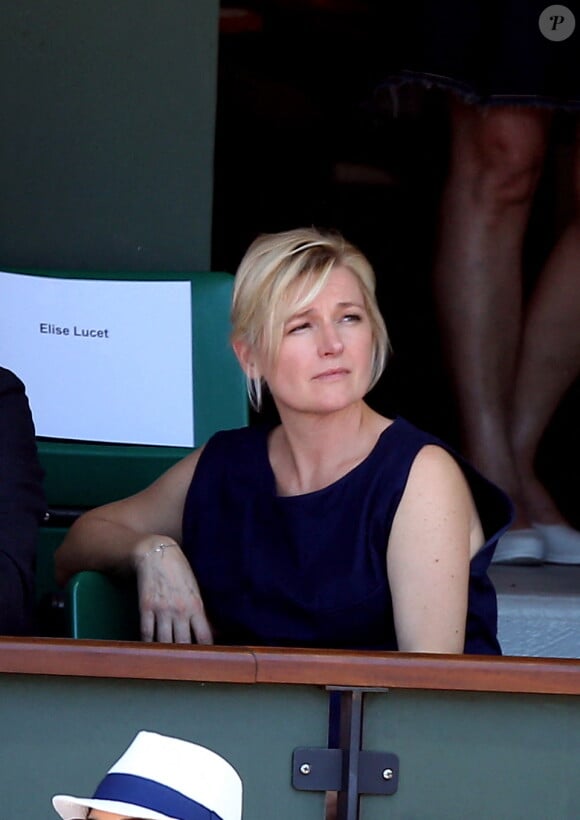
476 756
462 756
106 146
60 735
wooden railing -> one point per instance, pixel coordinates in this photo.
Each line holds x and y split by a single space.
460 673
447 725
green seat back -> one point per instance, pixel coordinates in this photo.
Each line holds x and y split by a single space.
86 475
101 607
81 475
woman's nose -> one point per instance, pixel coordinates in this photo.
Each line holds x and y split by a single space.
330 343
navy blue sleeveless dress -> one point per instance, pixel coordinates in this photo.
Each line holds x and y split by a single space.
310 570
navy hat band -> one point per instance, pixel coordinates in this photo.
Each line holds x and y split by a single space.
140 791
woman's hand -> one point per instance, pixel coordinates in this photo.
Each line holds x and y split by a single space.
169 599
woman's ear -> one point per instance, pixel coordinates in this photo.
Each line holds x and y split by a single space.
246 356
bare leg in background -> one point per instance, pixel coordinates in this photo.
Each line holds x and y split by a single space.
549 359
496 159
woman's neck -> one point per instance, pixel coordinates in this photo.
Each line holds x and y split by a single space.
308 453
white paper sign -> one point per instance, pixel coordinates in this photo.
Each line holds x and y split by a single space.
105 361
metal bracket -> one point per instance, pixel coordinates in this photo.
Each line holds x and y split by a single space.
323 770
347 770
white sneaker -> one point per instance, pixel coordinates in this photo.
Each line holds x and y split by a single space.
562 543
525 546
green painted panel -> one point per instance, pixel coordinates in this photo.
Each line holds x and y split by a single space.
476 756
61 734
107 151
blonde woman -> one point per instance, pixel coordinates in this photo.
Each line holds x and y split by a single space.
337 527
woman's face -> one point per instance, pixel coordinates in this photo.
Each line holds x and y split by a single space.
324 361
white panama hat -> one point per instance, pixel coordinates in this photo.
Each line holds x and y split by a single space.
162 778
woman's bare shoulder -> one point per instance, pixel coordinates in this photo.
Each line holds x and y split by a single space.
181 473
433 463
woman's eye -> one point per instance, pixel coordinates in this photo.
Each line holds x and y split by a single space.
351 317
297 328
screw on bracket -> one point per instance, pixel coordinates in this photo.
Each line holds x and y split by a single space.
316 769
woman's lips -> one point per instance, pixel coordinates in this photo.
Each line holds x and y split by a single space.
333 373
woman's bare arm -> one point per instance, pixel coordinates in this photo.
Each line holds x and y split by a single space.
435 533
122 538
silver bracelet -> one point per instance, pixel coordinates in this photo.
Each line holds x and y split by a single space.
159 548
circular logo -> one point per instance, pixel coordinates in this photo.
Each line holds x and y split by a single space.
557 23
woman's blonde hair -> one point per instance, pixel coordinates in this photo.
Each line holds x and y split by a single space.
265 297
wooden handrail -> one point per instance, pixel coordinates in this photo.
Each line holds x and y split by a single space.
250 665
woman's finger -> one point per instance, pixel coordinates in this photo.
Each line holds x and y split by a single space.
164 624
201 628
147 626
181 630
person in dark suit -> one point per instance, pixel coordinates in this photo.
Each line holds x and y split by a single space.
22 507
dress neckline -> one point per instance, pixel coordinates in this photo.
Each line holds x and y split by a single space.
333 484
